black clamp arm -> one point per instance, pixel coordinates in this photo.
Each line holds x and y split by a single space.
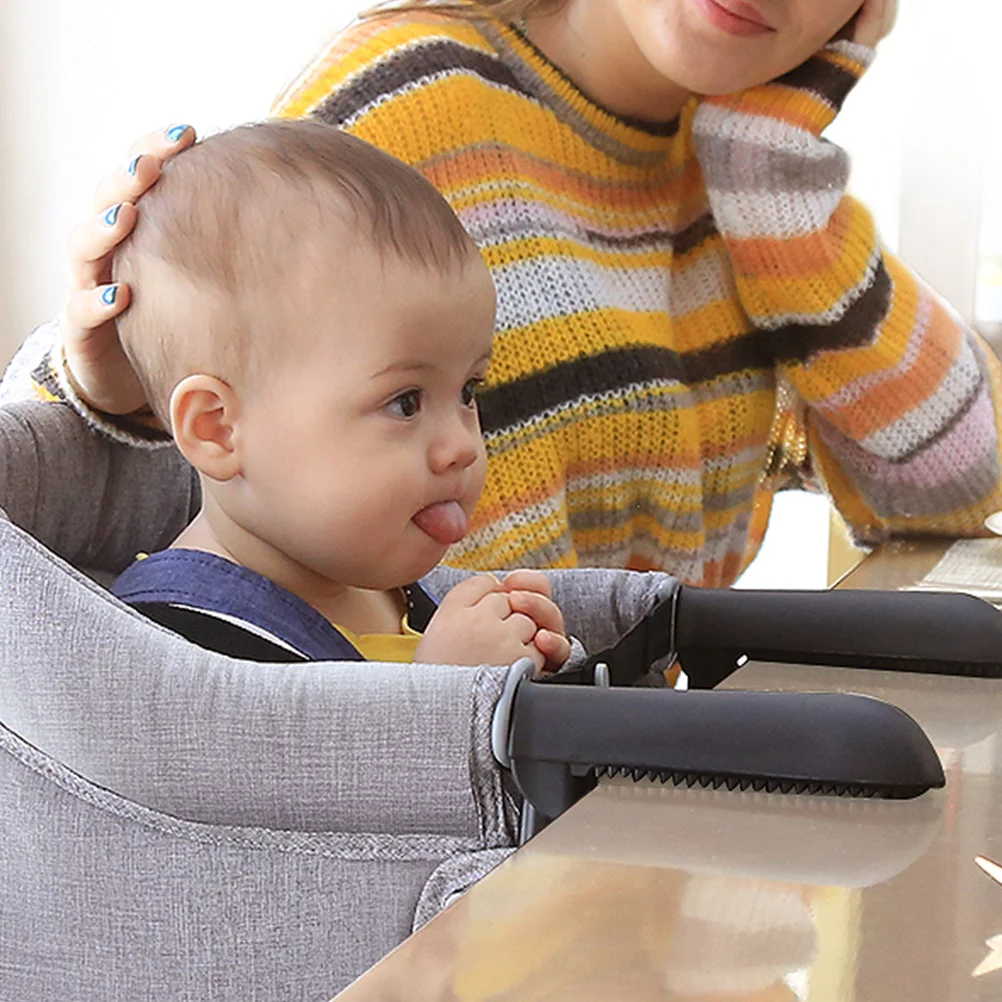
713 631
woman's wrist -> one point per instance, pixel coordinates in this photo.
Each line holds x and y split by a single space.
140 427
67 380
808 97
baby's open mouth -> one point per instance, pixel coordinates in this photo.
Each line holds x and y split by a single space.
444 521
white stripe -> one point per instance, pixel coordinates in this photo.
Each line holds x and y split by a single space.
934 413
549 286
779 214
774 134
242 623
625 476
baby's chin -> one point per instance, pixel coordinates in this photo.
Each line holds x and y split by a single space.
401 572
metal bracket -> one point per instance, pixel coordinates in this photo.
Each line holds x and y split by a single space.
501 721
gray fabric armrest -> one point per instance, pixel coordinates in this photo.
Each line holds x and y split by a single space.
354 747
94 502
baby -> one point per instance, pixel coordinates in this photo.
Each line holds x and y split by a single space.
312 323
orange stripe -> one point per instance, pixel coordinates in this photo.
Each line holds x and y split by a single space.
850 229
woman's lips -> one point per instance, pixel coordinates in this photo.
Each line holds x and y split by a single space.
734 17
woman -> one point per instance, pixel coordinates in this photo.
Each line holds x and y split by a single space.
691 309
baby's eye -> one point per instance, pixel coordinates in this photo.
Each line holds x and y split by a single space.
470 391
407 404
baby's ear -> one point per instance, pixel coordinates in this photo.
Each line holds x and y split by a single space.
203 413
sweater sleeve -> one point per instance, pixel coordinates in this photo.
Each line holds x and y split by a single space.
38 372
902 399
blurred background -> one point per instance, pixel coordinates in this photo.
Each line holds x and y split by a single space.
81 79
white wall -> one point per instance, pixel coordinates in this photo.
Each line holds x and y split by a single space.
81 79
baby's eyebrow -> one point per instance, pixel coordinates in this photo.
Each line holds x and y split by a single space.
403 366
415 365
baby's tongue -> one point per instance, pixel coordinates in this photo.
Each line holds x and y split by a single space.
445 522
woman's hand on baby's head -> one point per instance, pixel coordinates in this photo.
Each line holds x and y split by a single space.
95 361
481 622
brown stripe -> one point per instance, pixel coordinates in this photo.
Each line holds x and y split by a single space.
562 384
822 77
695 234
407 67
854 329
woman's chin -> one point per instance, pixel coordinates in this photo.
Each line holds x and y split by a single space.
710 81
706 62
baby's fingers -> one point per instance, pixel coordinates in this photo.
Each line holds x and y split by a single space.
554 647
526 580
538 608
473 591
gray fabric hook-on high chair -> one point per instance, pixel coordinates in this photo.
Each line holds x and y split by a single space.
179 825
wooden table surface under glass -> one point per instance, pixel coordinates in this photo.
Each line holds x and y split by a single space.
648 892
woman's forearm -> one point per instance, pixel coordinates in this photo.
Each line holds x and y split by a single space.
901 396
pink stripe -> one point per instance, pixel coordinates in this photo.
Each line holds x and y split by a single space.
946 461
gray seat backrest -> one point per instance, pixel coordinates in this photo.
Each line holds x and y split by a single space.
175 824
92 501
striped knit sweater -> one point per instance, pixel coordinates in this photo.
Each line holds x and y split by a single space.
684 310
656 285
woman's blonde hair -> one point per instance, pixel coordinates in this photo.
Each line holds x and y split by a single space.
509 11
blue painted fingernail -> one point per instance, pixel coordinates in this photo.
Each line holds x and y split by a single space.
175 132
109 294
111 216
133 165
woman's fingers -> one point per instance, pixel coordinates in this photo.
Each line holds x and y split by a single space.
874 20
164 143
126 183
142 166
87 309
91 243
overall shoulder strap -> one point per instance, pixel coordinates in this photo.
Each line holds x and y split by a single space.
199 582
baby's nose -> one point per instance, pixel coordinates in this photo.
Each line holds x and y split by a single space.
457 446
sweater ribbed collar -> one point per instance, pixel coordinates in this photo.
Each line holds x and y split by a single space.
626 139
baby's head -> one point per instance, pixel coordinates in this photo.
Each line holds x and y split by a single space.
310 319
